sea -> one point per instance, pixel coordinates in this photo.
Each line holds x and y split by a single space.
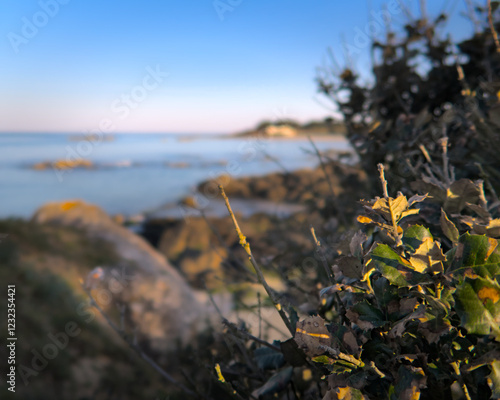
138 174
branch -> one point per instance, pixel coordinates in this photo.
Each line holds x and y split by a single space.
258 270
137 349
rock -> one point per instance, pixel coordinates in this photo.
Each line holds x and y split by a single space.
179 164
162 306
63 164
189 201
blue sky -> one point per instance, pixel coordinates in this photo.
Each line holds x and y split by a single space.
230 63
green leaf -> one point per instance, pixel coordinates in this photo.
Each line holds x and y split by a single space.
414 236
343 393
267 358
478 253
428 257
394 268
365 312
478 305
384 292
449 229
494 380
275 384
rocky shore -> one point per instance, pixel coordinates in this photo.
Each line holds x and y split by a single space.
155 283
206 249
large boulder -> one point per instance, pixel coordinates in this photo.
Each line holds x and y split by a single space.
160 305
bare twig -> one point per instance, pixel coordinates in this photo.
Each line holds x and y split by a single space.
446 173
492 27
232 326
137 349
341 215
323 166
317 243
383 181
258 270
460 379
228 249
486 179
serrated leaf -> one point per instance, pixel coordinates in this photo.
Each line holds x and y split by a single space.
393 267
479 253
275 384
417 199
406 213
493 228
449 229
477 308
414 236
311 334
343 393
459 194
366 316
399 327
428 256
383 207
435 193
494 379
479 210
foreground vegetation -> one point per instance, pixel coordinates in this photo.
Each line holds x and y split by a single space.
411 305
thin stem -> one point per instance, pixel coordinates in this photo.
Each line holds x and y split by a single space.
486 179
456 368
425 153
446 173
250 336
382 180
232 326
323 258
330 185
492 27
258 270
137 349
338 354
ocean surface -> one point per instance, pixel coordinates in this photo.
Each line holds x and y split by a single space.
134 174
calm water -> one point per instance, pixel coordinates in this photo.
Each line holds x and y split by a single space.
135 173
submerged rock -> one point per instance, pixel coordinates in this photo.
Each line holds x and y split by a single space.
63 164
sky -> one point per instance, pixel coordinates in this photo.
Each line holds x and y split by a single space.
178 65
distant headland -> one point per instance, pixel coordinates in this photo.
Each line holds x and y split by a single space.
288 128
